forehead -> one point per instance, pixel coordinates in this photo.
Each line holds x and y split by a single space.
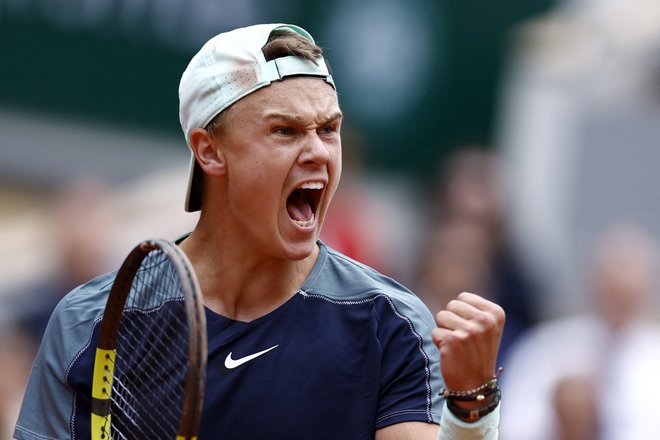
306 97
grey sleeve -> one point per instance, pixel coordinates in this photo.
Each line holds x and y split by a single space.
48 404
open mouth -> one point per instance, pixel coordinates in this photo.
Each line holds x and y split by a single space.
303 202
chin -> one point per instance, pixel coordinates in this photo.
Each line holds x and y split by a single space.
299 251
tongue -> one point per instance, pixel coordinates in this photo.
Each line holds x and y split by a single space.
298 208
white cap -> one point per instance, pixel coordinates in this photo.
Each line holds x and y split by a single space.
227 68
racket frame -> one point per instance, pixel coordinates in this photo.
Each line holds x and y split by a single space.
107 344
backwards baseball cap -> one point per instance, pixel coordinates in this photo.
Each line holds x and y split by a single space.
227 68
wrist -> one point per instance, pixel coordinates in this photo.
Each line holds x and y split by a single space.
452 428
471 405
472 410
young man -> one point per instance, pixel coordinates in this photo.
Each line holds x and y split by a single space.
303 342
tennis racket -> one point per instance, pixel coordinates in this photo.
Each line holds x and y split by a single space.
150 361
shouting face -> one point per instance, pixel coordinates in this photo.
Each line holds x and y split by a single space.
282 149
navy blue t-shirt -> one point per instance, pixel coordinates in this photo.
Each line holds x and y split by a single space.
350 353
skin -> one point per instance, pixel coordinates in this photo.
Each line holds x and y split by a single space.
251 257
245 243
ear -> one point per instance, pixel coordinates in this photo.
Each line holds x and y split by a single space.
208 153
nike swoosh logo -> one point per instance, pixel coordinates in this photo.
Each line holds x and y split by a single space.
230 363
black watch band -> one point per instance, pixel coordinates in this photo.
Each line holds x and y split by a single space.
474 415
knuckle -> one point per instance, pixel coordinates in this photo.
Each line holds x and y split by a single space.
441 315
464 334
453 304
486 320
463 295
472 329
500 314
497 314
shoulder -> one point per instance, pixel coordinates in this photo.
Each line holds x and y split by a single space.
342 279
403 324
68 334
87 301
72 322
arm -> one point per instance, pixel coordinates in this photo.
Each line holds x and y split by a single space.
408 430
468 337
451 429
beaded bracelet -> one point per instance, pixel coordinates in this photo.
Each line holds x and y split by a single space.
474 394
472 415
479 396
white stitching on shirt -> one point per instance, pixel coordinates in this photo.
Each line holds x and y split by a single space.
27 431
420 342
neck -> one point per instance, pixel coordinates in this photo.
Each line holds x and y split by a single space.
242 283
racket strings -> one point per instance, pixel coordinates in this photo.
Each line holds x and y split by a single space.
152 355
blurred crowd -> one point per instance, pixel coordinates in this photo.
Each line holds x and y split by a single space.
552 221
588 374
77 214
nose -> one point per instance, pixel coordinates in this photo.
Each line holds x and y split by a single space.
315 150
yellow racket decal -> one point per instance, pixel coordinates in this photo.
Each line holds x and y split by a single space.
104 364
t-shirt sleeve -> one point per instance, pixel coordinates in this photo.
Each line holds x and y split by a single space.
410 376
48 404
46 408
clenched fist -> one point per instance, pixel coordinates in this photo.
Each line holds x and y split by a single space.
468 337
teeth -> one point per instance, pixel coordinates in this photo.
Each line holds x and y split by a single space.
311 185
305 223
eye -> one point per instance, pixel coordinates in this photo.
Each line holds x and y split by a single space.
283 131
327 130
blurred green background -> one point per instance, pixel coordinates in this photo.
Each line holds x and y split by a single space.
417 79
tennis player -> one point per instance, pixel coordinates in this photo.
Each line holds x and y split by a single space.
303 342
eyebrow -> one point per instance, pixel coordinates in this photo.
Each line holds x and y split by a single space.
297 119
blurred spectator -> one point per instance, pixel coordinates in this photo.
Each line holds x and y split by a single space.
373 217
467 246
351 225
578 128
575 409
615 344
16 354
456 259
81 225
